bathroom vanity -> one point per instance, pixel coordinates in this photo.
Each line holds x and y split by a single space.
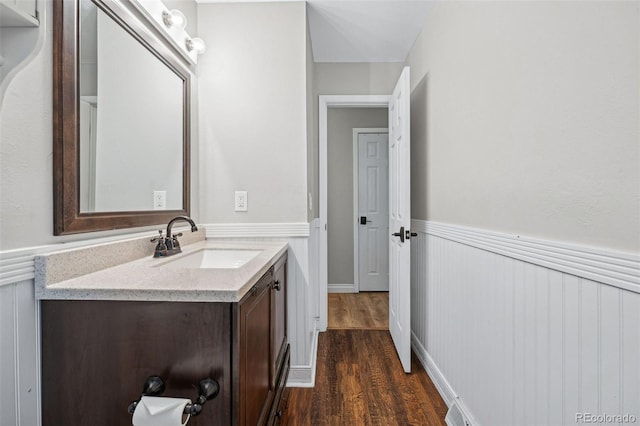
180 318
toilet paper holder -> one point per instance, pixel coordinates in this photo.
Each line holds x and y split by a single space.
154 386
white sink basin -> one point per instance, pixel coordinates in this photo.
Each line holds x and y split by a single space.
214 259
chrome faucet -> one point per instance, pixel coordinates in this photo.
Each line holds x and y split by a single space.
169 245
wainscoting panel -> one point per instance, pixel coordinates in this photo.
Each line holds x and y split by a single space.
19 363
302 373
526 339
298 292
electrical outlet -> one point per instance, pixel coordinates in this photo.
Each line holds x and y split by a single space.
159 200
241 201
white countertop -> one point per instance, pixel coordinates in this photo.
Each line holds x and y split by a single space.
150 279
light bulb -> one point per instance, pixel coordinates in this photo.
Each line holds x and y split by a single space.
174 18
196 44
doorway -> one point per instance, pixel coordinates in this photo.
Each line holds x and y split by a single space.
399 108
358 206
325 104
346 192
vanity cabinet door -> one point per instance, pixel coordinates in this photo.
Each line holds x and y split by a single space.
256 390
278 319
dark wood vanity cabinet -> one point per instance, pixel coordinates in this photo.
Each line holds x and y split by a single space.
262 330
96 355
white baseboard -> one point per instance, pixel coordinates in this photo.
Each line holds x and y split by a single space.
304 376
341 288
442 385
444 388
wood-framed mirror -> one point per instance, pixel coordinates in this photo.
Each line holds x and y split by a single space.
121 121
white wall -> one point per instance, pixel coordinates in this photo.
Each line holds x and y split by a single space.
356 78
26 176
256 134
531 121
525 121
253 109
312 131
16 45
340 220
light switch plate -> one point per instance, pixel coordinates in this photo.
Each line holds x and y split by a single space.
241 201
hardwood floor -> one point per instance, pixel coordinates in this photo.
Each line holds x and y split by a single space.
360 381
366 310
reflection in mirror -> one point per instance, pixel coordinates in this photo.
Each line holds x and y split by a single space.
121 120
130 121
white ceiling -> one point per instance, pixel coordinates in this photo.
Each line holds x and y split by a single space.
363 30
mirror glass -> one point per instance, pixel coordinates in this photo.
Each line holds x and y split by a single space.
131 110
121 120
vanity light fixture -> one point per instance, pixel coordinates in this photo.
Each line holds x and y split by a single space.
174 18
195 44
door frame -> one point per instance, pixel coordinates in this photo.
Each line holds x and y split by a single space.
324 103
356 205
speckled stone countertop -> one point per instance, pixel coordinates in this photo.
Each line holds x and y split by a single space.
149 279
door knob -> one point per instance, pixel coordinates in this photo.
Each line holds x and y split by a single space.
363 220
410 234
400 234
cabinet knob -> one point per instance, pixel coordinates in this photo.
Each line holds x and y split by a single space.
276 285
279 414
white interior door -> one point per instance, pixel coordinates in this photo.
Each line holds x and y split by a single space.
400 220
373 212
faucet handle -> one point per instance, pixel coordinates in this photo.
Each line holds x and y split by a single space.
159 237
161 247
175 243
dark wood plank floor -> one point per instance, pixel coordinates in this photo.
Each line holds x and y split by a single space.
360 381
365 310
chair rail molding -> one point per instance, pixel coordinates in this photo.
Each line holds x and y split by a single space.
254 230
610 267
